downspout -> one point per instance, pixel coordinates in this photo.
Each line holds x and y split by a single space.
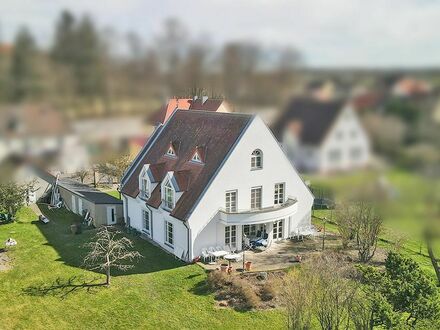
188 230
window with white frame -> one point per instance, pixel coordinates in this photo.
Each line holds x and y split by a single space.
145 186
231 201
196 158
256 198
170 151
231 236
168 195
146 219
250 230
257 159
279 194
169 233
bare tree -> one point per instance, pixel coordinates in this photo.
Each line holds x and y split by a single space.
368 225
115 167
297 296
321 290
110 250
81 174
359 221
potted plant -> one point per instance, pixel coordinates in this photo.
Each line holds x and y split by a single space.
224 267
247 265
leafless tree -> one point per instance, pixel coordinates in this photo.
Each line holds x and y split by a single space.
110 250
321 290
359 221
81 174
368 225
298 298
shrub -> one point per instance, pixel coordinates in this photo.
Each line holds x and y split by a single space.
218 280
244 291
269 290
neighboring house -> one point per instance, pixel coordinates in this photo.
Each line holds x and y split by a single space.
204 104
41 132
204 179
411 87
323 136
80 199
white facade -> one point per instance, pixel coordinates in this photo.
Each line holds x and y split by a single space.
209 221
345 147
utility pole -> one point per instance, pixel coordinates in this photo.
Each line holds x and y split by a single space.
323 234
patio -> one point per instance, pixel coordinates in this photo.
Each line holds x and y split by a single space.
281 254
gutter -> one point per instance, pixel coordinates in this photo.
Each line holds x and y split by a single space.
188 230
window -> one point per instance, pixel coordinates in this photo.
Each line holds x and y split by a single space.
146 221
231 201
171 152
334 155
279 194
145 187
231 236
169 234
256 198
355 153
168 195
256 160
250 230
277 229
196 158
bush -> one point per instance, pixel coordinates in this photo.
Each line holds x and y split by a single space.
244 291
217 280
269 290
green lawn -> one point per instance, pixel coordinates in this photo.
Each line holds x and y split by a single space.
404 211
113 193
160 292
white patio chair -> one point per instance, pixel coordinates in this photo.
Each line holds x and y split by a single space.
206 256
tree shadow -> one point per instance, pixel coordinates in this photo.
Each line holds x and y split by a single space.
70 247
63 287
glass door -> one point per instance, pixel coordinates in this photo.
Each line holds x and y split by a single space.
278 229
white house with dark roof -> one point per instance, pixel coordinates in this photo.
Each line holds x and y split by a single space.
206 179
323 136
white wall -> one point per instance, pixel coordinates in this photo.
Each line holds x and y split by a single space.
159 216
345 135
236 174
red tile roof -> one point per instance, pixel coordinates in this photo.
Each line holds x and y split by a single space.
215 132
164 113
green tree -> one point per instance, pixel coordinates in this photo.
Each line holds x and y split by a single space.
405 287
22 73
12 197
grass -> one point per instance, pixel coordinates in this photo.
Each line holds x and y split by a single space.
47 288
404 211
113 193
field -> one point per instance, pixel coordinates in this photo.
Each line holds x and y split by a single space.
47 288
405 206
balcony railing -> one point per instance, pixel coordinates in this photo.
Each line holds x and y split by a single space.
265 214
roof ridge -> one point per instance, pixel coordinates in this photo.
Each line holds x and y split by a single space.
215 113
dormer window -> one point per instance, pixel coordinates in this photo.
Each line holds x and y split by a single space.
171 152
144 183
168 195
196 158
256 159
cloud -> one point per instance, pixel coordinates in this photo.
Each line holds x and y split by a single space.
329 33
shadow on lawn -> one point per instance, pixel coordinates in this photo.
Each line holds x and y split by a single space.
71 248
62 288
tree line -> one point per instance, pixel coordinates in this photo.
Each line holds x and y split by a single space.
87 63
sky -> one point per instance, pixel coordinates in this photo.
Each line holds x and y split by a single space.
328 33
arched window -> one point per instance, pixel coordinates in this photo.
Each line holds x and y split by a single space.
257 159
168 195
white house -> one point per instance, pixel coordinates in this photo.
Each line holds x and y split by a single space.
205 178
323 136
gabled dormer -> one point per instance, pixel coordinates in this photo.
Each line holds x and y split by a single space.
198 155
173 149
145 188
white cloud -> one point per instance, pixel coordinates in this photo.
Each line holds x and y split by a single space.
328 32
